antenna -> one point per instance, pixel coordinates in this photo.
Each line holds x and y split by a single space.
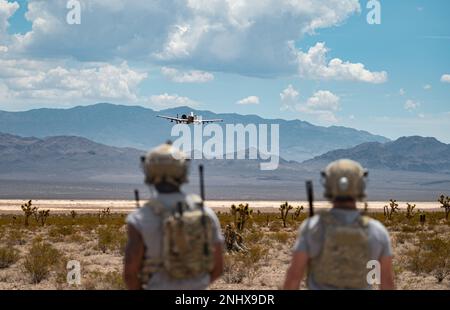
310 193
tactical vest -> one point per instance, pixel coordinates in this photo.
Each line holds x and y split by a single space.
187 242
342 262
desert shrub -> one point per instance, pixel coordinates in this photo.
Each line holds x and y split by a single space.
280 236
110 238
275 226
59 232
254 254
254 236
111 280
409 228
17 237
401 237
40 258
8 256
431 256
234 271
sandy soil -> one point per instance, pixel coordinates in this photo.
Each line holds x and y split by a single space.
125 206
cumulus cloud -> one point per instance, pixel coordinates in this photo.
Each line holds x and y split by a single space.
34 80
411 105
169 101
193 76
313 64
7 9
253 38
445 78
249 100
323 104
401 92
289 98
427 87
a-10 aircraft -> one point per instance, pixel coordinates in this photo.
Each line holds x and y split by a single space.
190 119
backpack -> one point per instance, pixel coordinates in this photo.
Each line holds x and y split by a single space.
342 262
187 245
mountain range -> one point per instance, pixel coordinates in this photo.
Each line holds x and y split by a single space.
138 127
76 167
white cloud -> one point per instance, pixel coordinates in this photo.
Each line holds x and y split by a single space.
427 87
322 104
251 37
445 78
313 64
43 83
169 101
193 76
7 9
249 100
323 100
289 98
401 92
411 105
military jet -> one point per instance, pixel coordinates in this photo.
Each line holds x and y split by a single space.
190 119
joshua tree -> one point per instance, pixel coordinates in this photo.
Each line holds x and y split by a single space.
41 216
298 211
28 211
445 202
284 209
410 213
73 214
393 205
242 214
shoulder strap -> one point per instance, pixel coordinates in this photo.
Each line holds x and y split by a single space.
156 206
364 220
194 201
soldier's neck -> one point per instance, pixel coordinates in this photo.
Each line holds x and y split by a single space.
347 205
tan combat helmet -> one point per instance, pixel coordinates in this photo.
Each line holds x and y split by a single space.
344 179
165 164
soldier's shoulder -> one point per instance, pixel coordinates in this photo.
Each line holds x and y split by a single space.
311 222
377 228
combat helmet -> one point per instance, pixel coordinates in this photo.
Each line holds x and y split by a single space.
344 179
167 164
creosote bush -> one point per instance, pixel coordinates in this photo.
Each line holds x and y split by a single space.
41 257
8 256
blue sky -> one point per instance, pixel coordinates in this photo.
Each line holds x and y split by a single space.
165 54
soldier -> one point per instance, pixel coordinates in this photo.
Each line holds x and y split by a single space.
341 248
173 241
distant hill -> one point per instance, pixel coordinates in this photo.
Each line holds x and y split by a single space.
63 158
76 168
405 154
138 127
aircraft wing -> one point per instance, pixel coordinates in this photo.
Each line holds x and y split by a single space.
206 121
175 119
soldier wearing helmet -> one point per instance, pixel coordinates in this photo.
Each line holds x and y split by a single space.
174 242
342 248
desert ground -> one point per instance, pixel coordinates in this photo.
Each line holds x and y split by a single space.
93 232
125 206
